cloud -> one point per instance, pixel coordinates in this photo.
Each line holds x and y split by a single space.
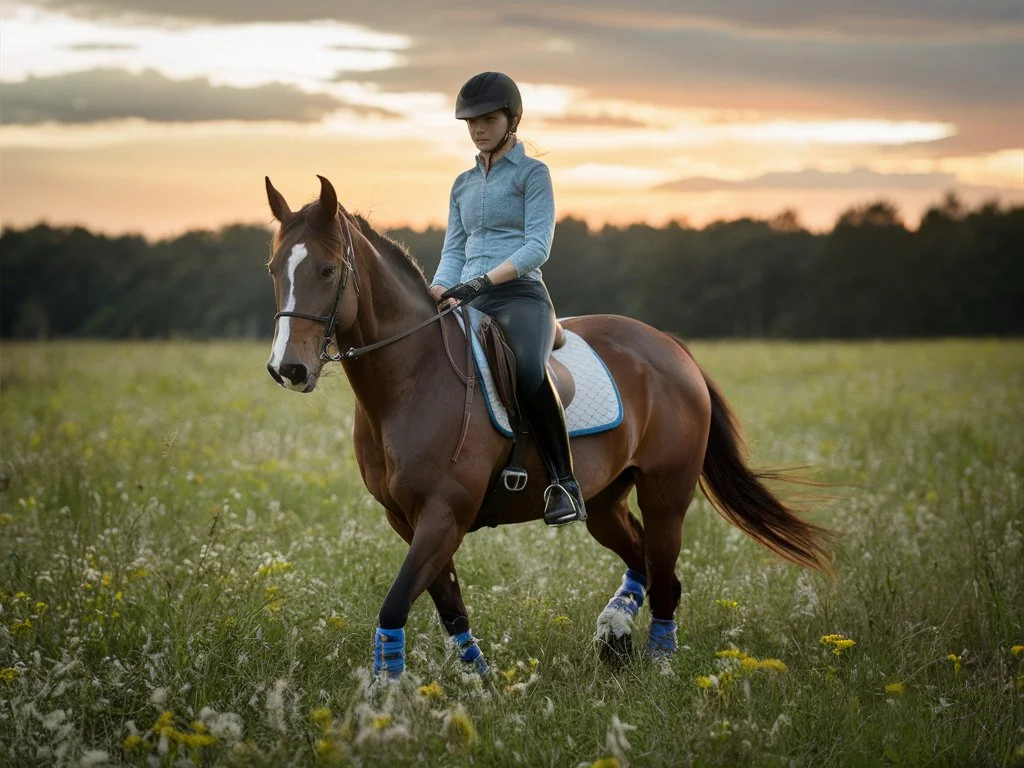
109 94
814 179
575 119
908 18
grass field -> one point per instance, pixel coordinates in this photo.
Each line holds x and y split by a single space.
190 571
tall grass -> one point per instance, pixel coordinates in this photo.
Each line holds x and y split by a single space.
190 570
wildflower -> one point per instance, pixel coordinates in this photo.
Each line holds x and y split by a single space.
606 762
509 674
432 691
838 642
40 606
7 674
6 519
325 748
132 741
774 664
1017 650
460 728
704 682
380 722
94 757
534 663
894 689
20 596
335 622
24 625
138 573
273 568
956 662
106 579
562 621
726 603
322 717
748 665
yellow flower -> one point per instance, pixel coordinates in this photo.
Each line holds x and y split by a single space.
534 663
270 569
132 741
380 722
748 665
956 662
460 728
105 581
7 674
1017 650
606 762
138 573
322 717
325 748
20 596
830 639
6 519
774 664
335 622
432 691
509 674
40 606
726 603
562 621
842 645
705 682
21 626
894 689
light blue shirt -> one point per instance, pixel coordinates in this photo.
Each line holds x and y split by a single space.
507 214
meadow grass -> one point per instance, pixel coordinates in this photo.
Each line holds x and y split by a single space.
190 570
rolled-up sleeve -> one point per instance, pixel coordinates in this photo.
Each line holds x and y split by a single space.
539 221
453 254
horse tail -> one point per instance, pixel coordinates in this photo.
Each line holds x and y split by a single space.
740 494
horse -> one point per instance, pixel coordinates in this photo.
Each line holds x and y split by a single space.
339 284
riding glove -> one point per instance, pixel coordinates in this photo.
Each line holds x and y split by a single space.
468 290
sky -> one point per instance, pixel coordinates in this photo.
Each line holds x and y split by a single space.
161 116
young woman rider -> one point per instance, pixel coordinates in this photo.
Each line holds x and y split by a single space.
501 220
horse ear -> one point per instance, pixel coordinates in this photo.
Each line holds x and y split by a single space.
278 205
328 197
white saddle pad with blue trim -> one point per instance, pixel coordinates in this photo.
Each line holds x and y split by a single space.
597 405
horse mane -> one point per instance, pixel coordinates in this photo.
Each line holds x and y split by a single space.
389 245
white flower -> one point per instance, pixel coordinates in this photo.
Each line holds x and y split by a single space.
94 757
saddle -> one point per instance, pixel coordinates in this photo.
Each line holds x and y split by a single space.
503 366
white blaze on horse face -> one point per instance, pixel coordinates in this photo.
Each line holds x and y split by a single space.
283 330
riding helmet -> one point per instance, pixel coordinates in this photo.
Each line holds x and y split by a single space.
487 92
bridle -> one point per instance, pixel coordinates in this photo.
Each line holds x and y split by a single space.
329 350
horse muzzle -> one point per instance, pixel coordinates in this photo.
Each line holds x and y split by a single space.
294 376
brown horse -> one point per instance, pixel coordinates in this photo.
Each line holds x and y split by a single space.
341 285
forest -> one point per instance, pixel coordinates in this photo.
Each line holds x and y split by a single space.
960 272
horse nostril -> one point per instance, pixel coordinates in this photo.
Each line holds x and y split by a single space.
294 372
274 374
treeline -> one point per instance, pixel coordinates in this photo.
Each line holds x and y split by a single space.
961 272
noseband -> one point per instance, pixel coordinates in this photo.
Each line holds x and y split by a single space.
329 351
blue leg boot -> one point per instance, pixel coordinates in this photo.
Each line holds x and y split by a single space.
388 653
470 652
615 623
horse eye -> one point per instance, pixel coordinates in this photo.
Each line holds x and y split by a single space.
327 272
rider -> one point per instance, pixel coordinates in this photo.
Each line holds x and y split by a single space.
501 220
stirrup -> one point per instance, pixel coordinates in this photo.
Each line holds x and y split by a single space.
577 513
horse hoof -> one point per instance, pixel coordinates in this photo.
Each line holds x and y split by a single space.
615 649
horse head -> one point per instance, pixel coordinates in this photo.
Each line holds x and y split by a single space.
311 263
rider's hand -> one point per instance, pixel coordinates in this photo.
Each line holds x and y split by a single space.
468 290
436 291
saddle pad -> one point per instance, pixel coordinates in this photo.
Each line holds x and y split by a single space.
596 407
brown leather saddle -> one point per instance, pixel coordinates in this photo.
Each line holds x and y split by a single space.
513 477
503 365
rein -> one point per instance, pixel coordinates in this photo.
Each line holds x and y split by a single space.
330 320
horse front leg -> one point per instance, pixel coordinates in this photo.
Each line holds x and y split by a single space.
447 596
434 541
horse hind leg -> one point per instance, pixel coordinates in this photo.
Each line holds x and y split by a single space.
613 526
663 500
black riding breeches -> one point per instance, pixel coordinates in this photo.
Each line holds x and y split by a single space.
523 310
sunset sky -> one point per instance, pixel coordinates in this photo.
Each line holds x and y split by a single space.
158 116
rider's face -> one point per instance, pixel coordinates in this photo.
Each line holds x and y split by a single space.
487 131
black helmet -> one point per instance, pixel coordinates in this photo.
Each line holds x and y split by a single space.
487 92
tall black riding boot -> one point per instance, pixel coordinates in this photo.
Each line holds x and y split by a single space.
563 499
